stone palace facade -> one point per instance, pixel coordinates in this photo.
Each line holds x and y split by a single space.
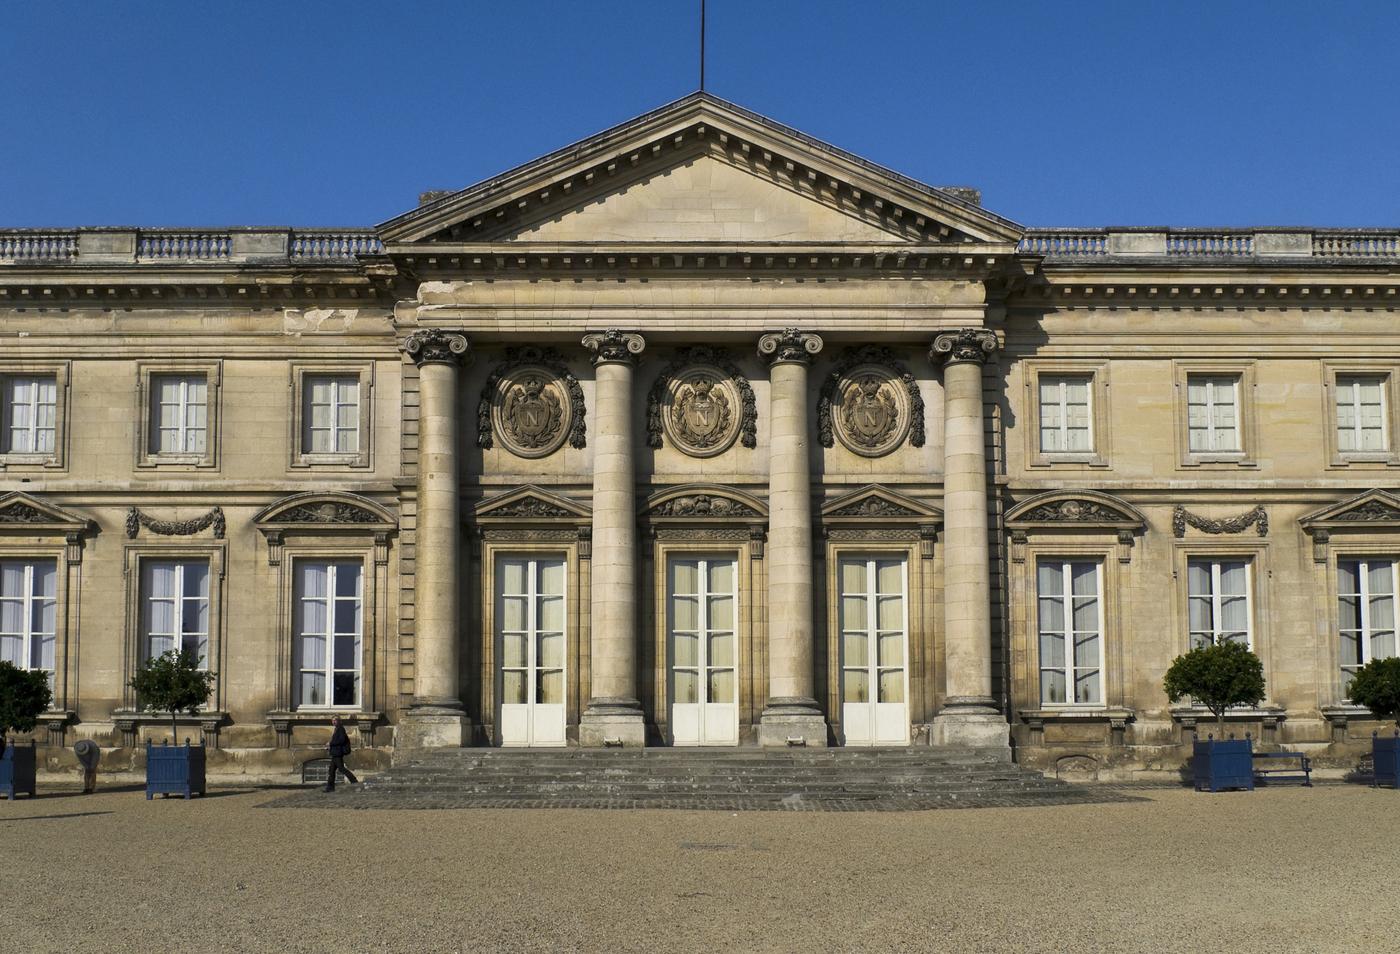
699 432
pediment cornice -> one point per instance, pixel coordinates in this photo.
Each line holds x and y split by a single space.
1372 510
531 503
697 126
875 502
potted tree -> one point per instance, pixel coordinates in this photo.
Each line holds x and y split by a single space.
1219 677
24 695
173 682
1376 686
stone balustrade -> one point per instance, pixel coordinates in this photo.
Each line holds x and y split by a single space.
161 247
1211 244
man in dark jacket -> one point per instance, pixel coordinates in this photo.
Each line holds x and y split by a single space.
339 747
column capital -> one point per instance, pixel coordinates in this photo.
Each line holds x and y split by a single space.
435 346
614 345
789 345
965 344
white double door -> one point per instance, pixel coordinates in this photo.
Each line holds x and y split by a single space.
703 650
874 619
530 649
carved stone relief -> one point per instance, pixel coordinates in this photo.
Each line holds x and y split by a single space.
1258 518
529 507
1370 510
870 402
135 520
1074 511
703 505
532 402
23 513
873 507
701 402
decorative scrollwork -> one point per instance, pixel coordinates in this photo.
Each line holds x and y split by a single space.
519 359
530 507
135 520
614 345
23 513
873 507
965 344
328 512
1181 518
703 505
435 346
1370 510
667 390
790 344
873 417
1073 511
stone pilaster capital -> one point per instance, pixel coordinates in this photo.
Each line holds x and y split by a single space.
614 345
789 345
435 346
965 344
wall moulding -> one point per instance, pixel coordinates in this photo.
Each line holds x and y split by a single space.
1373 512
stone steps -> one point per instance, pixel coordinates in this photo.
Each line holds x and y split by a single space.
837 779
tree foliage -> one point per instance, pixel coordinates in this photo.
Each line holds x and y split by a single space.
1376 686
1217 677
24 696
173 682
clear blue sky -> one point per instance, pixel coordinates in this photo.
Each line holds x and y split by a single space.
313 112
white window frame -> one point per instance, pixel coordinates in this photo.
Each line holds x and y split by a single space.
328 669
703 595
1243 455
1366 632
148 455
58 371
1066 598
180 637
34 431
1379 380
299 435
1216 596
1063 381
1334 374
1096 375
1213 384
27 600
868 561
335 430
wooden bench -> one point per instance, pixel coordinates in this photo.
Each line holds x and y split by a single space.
1272 772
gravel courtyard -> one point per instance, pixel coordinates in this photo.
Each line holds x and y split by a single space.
1277 870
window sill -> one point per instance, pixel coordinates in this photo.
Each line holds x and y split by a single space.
30 462
173 460
1218 461
1045 460
284 723
1078 713
307 461
1369 461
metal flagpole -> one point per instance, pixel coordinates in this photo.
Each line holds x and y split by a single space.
702 45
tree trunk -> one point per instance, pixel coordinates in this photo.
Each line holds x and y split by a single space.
174 729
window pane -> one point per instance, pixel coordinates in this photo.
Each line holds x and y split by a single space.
852 576
854 614
721 685
1086 615
1347 573
722 612
890 612
551 613
892 686
513 687
855 685
313 652
313 616
347 652
1086 651
1233 579
891 649
1349 612
195 616
347 579
347 616
513 574
1382 613
1052 651
685 613
1085 579
514 647
513 612
1052 615
1086 688
687 686
313 578
551 651
11 616
549 687
685 576
313 689
1052 687
1351 649
1383 645
721 576
687 649
346 689
1049 579
551 577
43 653
890 576
721 649
856 647
160 616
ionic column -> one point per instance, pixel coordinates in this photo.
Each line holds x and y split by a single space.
613 715
969 715
435 717
792 712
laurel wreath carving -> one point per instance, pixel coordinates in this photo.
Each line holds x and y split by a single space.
523 356
852 358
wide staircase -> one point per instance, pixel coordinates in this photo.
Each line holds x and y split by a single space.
793 779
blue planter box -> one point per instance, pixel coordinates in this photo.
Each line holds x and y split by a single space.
17 770
1220 764
174 770
1385 753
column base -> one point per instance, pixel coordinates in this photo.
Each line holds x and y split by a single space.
792 723
971 722
612 723
433 727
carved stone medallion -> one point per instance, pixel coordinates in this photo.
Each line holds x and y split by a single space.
871 415
531 413
701 412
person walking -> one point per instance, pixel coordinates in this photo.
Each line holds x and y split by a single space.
338 748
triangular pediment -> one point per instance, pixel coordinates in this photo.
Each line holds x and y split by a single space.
874 501
1374 508
1075 509
699 170
21 512
531 503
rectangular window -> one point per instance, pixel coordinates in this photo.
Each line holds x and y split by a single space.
1361 413
28 619
175 607
179 414
1218 598
30 414
1065 415
329 625
1365 612
331 414
1071 632
1212 413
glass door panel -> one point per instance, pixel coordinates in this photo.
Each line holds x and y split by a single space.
703 647
530 650
874 648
